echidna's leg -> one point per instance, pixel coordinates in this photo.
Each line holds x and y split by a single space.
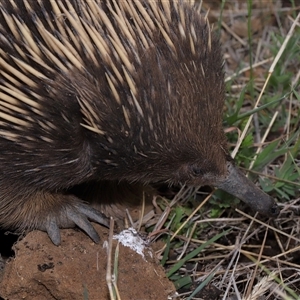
47 212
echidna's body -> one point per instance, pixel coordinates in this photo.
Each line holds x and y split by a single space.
107 90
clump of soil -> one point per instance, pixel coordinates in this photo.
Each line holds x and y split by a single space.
77 270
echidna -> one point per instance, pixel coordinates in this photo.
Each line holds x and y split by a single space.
121 91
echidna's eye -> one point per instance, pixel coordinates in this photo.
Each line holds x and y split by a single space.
196 171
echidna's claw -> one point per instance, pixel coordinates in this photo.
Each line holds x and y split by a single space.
53 231
81 218
80 214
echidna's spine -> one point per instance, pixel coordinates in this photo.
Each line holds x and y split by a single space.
102 53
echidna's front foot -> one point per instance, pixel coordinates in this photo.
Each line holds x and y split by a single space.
25 209
80 214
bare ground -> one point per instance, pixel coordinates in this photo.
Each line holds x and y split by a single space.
77 270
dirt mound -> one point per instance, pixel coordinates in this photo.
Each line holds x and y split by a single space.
77 270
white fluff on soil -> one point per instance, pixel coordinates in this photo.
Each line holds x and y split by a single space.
130 238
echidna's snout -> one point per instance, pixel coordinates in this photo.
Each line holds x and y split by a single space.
237 184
